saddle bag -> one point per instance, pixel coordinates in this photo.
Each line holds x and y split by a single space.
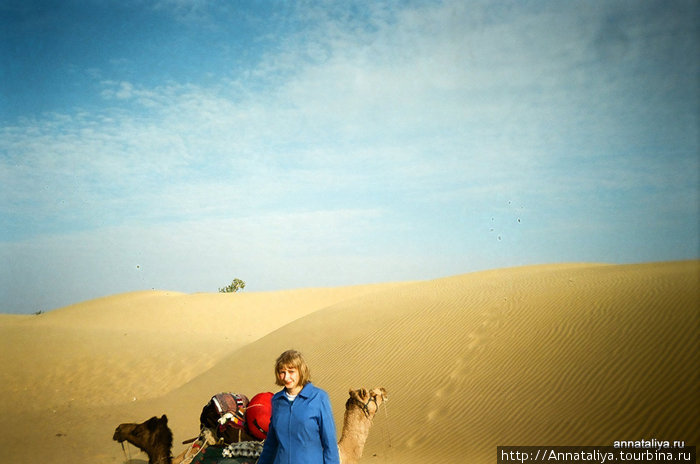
224 415
257 415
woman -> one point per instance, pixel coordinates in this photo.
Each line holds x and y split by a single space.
302 430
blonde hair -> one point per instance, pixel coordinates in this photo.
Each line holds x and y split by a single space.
292 358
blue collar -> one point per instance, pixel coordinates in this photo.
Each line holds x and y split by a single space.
304 393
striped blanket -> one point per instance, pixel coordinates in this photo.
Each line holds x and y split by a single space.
236 453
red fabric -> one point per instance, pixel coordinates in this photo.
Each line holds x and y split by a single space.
257 415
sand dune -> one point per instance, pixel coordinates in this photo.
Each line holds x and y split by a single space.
580 354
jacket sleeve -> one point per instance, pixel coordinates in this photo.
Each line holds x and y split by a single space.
328 437
269 451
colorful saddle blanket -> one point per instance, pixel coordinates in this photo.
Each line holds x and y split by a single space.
224 455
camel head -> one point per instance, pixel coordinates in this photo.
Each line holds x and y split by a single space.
153 437
367 400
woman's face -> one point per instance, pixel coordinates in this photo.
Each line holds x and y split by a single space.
289 376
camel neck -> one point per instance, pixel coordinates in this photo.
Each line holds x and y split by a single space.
354 435
162 460
161 456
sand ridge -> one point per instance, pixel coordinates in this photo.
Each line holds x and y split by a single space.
141 344
578 354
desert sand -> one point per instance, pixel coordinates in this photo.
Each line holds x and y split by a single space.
562 354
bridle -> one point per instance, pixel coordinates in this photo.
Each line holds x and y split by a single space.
365 406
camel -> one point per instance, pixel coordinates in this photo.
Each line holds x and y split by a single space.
155 438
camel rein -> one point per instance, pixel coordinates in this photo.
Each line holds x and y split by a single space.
365 410
365 406
387 432
124 450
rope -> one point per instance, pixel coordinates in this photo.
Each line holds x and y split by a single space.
190 454
204 439
124 450
386 431
186 458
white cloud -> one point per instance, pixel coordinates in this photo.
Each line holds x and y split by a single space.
416 96
357 131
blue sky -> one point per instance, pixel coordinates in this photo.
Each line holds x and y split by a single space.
177 144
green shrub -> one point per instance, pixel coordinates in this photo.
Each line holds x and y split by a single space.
235 286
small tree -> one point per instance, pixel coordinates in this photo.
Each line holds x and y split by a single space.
235 286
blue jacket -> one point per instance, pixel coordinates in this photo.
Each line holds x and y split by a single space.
301 431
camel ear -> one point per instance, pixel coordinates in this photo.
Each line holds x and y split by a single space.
164 419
